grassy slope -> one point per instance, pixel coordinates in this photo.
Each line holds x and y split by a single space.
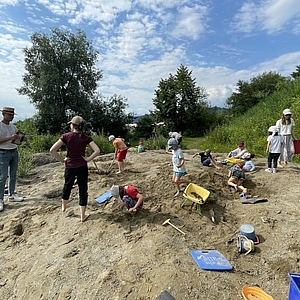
252 127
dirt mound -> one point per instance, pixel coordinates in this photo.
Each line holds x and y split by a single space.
46 254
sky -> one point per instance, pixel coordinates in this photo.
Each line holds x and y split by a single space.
141 42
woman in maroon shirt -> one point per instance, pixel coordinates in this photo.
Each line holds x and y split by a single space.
76 163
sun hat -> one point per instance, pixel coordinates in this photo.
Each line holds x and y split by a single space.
287 111
8 110
172 143
77 120
273 129
247 155
111 137
241 144
115 192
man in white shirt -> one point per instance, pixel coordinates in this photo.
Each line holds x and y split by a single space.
9 156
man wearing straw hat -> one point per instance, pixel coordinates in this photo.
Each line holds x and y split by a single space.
9 156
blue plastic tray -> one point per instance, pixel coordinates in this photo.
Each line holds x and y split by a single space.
104 197
211 260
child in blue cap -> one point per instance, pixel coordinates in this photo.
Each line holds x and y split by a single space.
179 169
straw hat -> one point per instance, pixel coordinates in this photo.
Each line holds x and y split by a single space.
8 110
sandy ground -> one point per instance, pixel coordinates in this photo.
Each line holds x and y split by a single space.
47 254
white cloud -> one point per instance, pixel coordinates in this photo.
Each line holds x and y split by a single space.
191 22
269 15
8 2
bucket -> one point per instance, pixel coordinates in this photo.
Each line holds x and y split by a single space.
294 292
248 231
297 146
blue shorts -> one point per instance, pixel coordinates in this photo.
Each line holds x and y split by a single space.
179 174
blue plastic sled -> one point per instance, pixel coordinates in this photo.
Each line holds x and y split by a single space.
211 260
104 197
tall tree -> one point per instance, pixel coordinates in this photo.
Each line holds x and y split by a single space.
61 77
181 104
250 93
108 115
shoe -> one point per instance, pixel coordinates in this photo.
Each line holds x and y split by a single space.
274 170
5 192
1 205
15 198
268 170
119 172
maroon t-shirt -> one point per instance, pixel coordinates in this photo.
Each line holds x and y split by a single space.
76 145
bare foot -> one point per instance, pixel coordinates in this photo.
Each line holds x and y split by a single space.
64 205
85 218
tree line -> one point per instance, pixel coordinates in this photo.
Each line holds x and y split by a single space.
61 80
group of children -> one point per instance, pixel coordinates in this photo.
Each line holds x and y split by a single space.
279 147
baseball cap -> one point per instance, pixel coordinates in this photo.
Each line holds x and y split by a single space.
241 144
172 143
115 192
287 111
111 137
77 120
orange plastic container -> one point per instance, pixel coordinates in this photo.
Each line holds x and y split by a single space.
255 293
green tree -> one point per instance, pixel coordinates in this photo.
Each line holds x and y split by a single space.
108 115
296 74
61 77
248 94
145 127
181 104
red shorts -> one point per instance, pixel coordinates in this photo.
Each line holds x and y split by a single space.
122 155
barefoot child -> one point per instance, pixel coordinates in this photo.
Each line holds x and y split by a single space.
236 178
179 169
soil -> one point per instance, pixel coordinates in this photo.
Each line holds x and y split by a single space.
47 254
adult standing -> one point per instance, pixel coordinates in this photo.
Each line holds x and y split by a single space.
285 127
76 163
120 151
9 156
175 135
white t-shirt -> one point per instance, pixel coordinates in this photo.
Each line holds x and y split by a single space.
285 129
238 152
176 158
5 132
275 143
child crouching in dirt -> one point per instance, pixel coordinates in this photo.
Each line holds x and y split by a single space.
236 178
207 159
129 195
179 169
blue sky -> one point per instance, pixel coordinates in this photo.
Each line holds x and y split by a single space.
143 41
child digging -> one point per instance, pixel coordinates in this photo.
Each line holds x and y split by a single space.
179 169
236 178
